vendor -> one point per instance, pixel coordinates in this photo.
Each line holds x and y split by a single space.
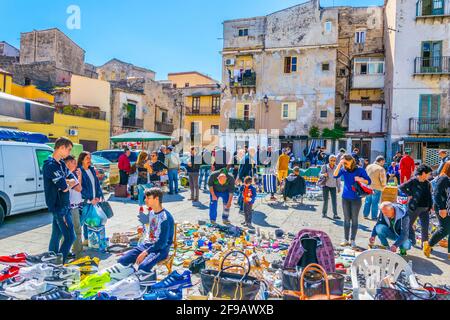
392 224
156 168
221 185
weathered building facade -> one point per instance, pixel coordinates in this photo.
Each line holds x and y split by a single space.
418 76
279 73
116 70
7 50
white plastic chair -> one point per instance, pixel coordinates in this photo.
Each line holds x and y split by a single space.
375 266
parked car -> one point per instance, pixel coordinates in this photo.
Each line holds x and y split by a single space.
102 168
21 179
113 155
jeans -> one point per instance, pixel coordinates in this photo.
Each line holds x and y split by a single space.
77 245
149 262
173 181
424 215
332 192
248 212
62 227
351 210
442 232
214 204
384 233
372 203
141 193
194 185
204 175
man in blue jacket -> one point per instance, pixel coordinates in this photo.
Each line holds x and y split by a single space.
58 180
392 224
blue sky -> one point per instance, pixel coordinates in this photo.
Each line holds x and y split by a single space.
165 36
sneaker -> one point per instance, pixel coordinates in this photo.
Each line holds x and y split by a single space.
141 210
126 289
64 277
353 244
86 261
164 295
427 249
104 296
146 279
324 215
54 294
251 227
336 217
26 289
119 272
9 273
345 244
48 257
174 281
244 223
226 222
17 260
213 222
91 284
38 271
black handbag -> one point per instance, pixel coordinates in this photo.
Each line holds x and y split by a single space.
106 207
226 285
197 265
402 292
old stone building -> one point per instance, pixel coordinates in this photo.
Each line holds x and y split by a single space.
7 50
360 106
279 71
116 70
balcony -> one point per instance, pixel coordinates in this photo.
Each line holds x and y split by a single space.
133 123
368 81
215 111
164 127
84 112
432 9
429 126
432 66
243 83
242 124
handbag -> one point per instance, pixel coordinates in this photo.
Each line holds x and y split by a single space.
442 293
197 265
107 209
234 286
401 292
315 294
361 189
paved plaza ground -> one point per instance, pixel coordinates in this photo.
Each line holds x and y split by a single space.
31 232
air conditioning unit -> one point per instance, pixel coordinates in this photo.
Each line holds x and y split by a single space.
230 62
73 132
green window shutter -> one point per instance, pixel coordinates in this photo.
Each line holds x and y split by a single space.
423 107
435 106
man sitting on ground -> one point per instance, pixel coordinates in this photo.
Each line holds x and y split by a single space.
221 185
392 224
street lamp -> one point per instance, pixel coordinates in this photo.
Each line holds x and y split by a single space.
266 102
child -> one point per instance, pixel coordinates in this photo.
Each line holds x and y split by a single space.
248 193
159 236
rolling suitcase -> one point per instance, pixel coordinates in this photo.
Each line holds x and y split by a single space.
121 191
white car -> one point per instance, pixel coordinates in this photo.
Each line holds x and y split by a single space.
21 179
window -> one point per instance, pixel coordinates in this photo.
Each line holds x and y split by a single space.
243 111
196 105
164 117
328 26
195 131
113 76
430 7
174 85
430 105
371 66
186 85
324 114
325 67
216 104
246 112
360 36
431 54
243 32
290 64
41 156
123 75
215 130
289 111
366 115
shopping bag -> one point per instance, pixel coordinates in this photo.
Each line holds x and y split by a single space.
227 285
399 291
93 216
314 282
106 207
97 238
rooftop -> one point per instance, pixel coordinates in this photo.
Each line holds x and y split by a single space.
191 72
56 29
127 63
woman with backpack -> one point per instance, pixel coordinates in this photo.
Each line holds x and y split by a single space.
331 186
351 200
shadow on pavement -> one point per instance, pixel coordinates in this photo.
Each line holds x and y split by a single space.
200 206
259 219
424 266
361 227
25 222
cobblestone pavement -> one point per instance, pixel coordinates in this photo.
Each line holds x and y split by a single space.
31 232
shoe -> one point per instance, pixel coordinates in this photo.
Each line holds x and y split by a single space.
17 260
244 223
9 273
164 295
26 289
86 261
336 217
146 279
104 296
353 244
273 199
126 289
64 277
54 294
141 210
91 285
174 281
250 226
48 257
345 244
403 252
213 222
226 222
324 215
427 249
119 272
38 271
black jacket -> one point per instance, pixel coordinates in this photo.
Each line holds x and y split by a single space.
196 163
294 186
441 194
420 193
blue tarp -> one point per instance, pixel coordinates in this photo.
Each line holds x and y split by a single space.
22 136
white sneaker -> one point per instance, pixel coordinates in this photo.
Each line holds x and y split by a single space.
38 271
353 244
25 290
119 272
127 289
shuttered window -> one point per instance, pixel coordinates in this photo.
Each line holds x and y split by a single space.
242 111
289 111
430 106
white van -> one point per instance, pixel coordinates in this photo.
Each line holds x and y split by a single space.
21 179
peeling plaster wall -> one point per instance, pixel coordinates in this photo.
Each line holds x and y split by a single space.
255 38
123 71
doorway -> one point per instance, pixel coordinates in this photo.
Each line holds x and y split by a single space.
364 148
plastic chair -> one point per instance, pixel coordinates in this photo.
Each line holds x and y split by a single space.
373 266
168 263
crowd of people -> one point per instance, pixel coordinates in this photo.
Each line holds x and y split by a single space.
71 184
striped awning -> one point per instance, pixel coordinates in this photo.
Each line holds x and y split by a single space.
23 109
